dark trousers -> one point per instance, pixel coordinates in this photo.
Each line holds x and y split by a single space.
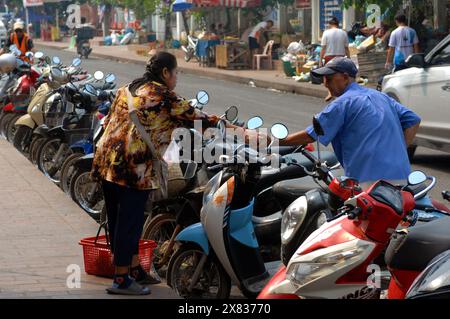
125 210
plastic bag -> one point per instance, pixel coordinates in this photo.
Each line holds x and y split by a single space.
172 153
295 47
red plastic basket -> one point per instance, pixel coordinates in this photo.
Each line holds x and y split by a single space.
98 259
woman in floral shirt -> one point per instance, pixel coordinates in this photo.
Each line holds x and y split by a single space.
123 161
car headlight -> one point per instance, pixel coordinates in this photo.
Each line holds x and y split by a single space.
211 187
302 273
436 276
292 218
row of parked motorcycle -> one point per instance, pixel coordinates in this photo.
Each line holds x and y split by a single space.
52 114
298 229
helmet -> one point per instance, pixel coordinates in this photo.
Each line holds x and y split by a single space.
7 63
19 25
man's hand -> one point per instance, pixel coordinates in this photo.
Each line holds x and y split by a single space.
410 134
388 66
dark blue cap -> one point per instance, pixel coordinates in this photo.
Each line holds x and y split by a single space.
337 65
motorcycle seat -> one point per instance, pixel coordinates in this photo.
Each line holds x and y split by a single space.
293 171
414 248
267 228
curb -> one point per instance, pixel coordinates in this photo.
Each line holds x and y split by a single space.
320 92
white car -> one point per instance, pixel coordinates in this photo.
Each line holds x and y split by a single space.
425 88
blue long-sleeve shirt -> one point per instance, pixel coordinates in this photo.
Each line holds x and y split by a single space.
366 128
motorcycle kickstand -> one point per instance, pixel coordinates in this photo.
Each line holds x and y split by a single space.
169 248
197 272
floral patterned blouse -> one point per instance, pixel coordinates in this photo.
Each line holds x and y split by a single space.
122 156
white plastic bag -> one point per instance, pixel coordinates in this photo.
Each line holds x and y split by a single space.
172 153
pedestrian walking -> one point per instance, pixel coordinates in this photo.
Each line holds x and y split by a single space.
402 43
334 44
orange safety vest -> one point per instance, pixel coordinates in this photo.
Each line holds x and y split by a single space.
23 47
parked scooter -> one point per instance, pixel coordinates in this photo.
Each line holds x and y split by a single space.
190 50
30 134
75 127
223 248
335 260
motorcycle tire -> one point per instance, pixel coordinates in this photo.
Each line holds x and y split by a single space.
4 124
22 139
52 173
224 287
153 228
11 128
35 147
187 56
67 171
78 177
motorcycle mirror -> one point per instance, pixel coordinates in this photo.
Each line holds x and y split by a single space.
48 60
254 123
222 128
98 75
39 55
279 131
203 97
110 78
76 62
29 55
416 178
191 169
317 127
232 113
90 89
56 60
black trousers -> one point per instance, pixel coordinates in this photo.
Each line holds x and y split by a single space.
125 210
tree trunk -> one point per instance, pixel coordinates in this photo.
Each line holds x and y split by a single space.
168 29
186 25
106 20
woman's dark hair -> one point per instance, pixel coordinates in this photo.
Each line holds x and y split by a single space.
154 70
401 18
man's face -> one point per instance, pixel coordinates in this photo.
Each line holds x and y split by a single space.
336 83
269 25
19 33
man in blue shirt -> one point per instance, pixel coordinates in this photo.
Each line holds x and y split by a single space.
369 130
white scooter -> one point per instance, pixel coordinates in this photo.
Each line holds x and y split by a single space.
190 50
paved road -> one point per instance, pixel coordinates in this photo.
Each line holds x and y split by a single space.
295 111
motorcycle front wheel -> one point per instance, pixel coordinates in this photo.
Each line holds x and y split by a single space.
11 128
22 139
47 163
87 193
67 171
213 283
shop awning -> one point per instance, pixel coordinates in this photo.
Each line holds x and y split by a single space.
228 3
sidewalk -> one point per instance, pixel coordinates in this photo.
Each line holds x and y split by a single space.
40 228
270 79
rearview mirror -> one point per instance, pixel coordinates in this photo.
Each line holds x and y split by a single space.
317 127
29 55
98 75
110 78
416 60
39 55
48 60
232 113
254 123
416 178
56 60
76 62
279 131
203 97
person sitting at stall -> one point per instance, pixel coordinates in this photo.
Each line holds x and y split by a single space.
254 38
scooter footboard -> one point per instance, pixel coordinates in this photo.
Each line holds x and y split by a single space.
195 234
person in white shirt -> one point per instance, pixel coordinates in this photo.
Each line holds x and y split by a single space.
402 43
255 36
334 44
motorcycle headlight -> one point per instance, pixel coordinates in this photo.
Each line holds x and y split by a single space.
211 187
434 278
292 218
302 273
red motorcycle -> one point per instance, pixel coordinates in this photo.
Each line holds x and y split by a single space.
18 99
337 260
